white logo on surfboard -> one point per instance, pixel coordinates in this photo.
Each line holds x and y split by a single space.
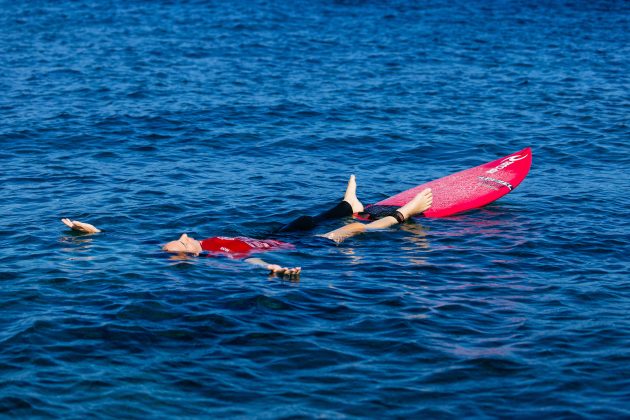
505 163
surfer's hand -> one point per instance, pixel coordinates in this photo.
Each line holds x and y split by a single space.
284 271
80 226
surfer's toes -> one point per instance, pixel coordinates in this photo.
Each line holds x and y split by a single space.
425 200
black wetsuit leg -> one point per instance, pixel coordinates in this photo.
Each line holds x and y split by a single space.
343 209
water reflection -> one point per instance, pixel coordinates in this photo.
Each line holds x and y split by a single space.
417 237
181 257
351 254
77 244
487 223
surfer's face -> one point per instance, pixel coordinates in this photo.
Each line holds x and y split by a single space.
184 244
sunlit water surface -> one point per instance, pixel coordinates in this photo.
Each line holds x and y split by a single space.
149 119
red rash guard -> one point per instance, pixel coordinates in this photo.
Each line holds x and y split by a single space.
241 246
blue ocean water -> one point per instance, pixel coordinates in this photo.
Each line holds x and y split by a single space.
149 119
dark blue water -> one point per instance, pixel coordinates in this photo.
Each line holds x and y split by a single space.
149 119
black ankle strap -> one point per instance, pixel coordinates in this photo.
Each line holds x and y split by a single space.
399 216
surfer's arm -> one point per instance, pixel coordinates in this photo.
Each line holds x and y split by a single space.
275 268
80 226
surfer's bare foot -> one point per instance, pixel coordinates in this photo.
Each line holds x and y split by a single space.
420 203
351 195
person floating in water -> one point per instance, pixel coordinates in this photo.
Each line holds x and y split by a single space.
242 247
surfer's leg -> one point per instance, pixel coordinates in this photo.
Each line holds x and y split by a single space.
344 232
301 223
349 205
420 203
350 196
342 209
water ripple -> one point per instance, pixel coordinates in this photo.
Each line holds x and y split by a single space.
230 119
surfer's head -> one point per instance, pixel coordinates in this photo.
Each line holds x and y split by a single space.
184 244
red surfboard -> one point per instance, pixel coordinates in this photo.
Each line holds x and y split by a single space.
465 190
